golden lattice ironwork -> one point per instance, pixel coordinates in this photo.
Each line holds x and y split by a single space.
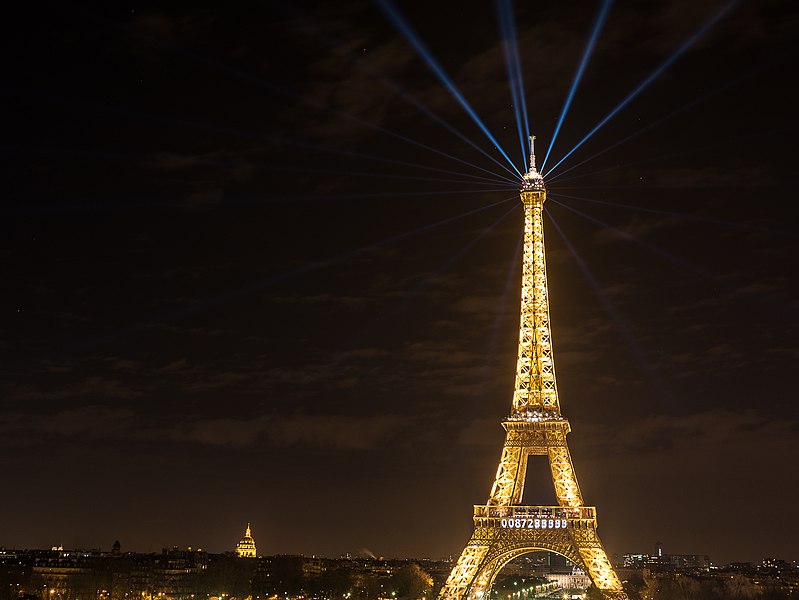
503 528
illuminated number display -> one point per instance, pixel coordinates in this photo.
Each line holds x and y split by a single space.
534 523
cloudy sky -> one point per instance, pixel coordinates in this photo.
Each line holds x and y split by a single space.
251 274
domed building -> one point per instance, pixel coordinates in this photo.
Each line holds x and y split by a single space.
246 547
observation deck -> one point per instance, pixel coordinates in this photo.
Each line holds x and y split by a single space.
535 517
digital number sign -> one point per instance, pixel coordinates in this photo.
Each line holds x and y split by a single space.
534 523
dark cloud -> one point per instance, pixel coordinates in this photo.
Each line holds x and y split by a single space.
636 228
338 432
325 299
94 424
102 422
717 431
92 387
482 307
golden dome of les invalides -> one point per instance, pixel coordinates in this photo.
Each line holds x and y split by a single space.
246 547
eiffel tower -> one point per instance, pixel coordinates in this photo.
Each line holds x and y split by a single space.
505 529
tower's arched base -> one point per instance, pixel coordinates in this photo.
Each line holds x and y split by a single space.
504 533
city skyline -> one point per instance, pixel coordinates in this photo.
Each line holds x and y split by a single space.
189 573
251 279
652 556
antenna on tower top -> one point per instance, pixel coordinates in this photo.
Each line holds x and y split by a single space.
532 180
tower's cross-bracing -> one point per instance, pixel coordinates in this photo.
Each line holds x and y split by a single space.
503 528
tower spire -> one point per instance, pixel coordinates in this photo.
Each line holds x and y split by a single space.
532 180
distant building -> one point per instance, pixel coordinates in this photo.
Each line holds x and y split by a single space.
777 564
313 566
246 547
661 562
694 563
740 567
575 580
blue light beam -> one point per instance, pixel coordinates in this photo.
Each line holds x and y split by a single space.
587 52
629 237
358 62
430 278
635 348
510 50
201 306
724 86
410 35
311 101
651 210
651 77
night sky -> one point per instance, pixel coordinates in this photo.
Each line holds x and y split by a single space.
246 277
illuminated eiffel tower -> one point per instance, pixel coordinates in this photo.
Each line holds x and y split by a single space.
503 528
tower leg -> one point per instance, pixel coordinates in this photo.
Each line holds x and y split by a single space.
566 488
509 484
460 583
596 563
